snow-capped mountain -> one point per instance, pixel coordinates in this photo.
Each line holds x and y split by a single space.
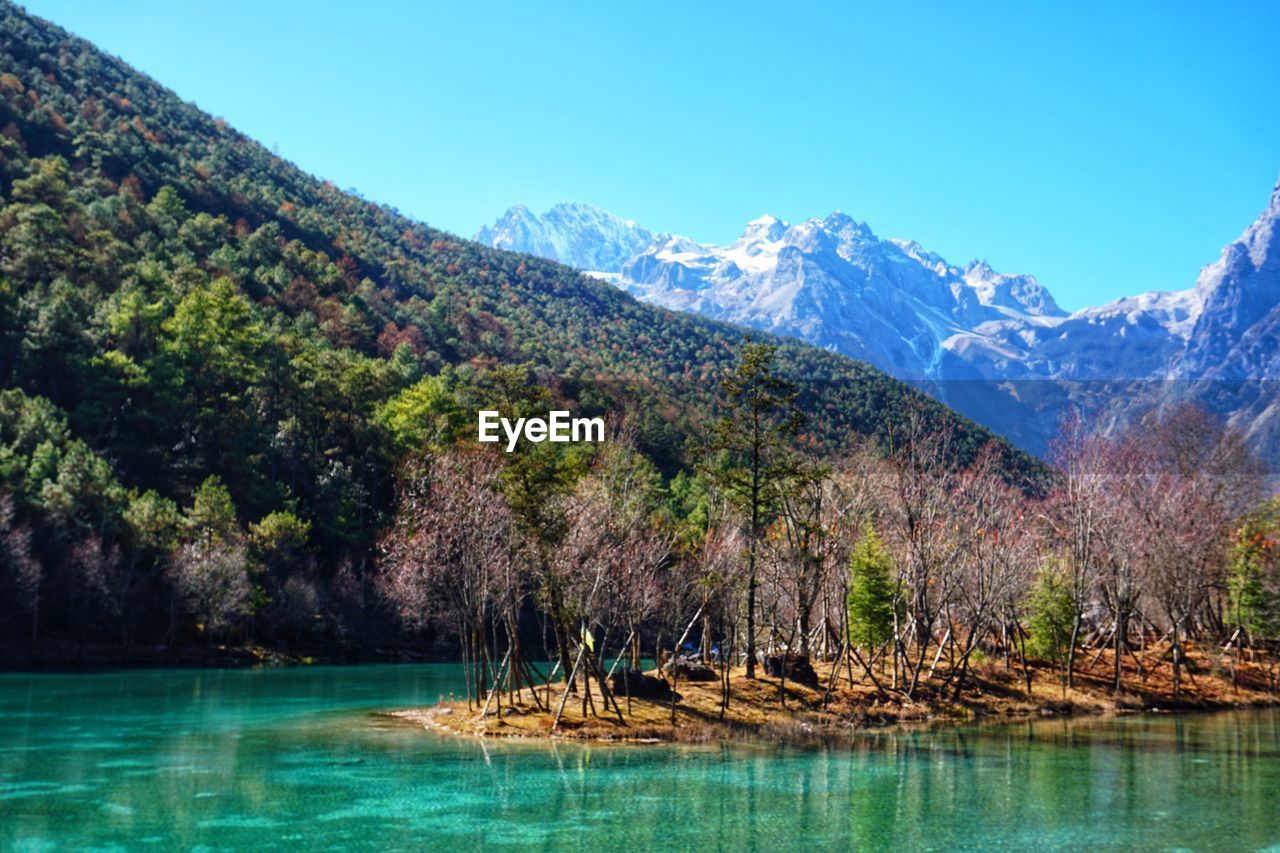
830 281
973 337
1236 333
579 235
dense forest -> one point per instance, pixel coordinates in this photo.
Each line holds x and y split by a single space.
213 365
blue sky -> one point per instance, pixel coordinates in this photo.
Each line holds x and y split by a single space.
1106 148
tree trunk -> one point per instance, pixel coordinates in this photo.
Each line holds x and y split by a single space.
751 609
1177 663
1118 649
1071 649
752 582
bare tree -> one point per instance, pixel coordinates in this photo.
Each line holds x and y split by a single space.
22 572
1074 514
449 544
920 478
211 576
612 552
1195 479
991 521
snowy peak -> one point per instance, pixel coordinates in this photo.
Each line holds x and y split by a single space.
763 229
1236 334
575 234
1017 293
1257 250
516 227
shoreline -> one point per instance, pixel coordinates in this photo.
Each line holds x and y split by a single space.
991 695
68 656
832 736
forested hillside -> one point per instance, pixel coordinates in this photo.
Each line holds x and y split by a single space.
202 344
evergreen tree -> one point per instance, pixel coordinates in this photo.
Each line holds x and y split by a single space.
870 600
1255 572
1050 615
754 439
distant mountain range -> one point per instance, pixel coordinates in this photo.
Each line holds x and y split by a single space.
995 346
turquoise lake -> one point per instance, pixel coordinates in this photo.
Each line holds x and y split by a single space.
297 759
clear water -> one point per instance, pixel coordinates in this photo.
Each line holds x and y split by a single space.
295 758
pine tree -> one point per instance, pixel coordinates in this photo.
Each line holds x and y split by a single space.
1050 615
870 599
755 437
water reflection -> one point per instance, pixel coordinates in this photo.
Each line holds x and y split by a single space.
247 759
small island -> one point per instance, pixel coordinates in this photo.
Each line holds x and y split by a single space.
772 709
